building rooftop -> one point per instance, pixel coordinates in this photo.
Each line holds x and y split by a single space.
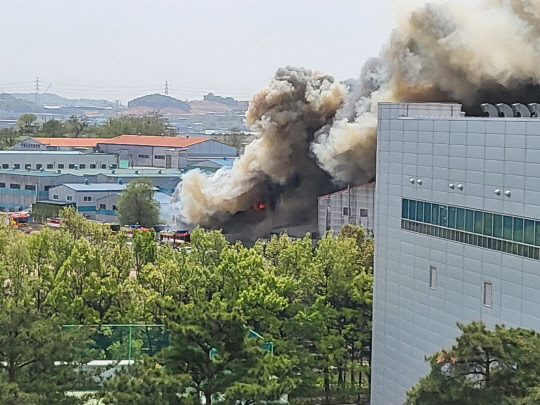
70 142
148 140
40 152
146 172
94 186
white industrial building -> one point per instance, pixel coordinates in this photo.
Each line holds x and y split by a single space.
457 233
53 160
164 151
57 144
354 205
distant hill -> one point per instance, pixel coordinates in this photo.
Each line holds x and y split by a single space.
54 99
8 102
225 100
159 102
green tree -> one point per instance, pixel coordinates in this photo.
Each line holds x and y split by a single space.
500 366
236 139
8 138
136 204
26 123
52 129
149 124
76 125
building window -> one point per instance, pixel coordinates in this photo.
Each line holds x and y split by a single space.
50 166
16 166
60 165
82 166
345 210
39 166
71 166
87 199
102 206
69 198
47 188
2 185
30 187
328 218
5 166
363 212
15 186
114 208
159 156
144 156
103 166
488 291
432 277
27 166
55 197
92 166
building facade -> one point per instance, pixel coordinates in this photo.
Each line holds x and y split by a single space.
53 160
57 144
457 234
354 205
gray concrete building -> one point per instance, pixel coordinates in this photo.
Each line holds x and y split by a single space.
457 234
19 188
354 205
164 151
53 160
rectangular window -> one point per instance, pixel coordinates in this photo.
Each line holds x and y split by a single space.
92 166
2 185
102 206
60 165
71 166
488 224
427 213
159 156
497 226
5 166
15 186
478 221
508 228
87 199
69 198
363 212
451 217
82 166
103 166
412 210
55 197
114 208
16 166
345 211
443 216
469 221
488 291
39 166
27 166
144 156
435 214
50 166
518 230
405 208
432 277
528 234
30 187
419 211
460 219
47 188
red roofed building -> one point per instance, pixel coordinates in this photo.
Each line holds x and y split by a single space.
164 151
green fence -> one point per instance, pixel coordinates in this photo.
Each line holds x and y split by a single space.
126 341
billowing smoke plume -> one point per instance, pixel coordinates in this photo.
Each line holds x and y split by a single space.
317 134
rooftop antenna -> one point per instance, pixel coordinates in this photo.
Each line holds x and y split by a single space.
166 88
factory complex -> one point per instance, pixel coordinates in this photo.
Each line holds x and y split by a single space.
89 173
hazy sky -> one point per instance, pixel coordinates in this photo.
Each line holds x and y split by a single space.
123 49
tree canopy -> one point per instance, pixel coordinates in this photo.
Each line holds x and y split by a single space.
136 204
500 366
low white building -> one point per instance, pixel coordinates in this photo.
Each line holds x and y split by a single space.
354 205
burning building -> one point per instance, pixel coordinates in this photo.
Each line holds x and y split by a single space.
317 134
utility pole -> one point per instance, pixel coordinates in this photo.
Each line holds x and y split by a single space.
36 97
166 88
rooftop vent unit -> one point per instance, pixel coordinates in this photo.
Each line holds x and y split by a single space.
515 110
86 182
120 181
